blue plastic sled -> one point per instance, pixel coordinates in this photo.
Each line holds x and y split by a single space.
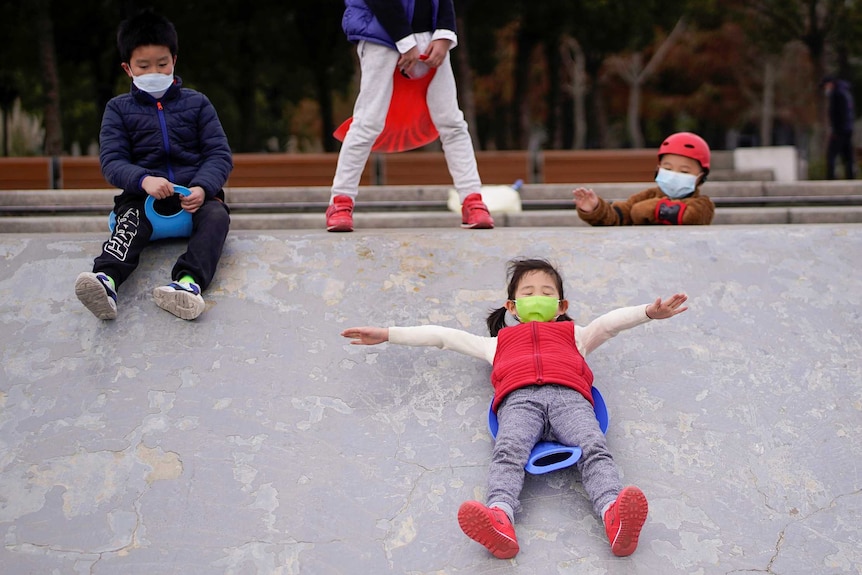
548 456
178 225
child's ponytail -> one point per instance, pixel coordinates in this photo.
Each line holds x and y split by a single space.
496 321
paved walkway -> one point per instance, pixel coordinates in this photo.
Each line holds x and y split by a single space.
255 441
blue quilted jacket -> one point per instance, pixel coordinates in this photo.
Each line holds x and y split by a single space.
178 137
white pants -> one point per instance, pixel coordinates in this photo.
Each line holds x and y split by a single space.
377 64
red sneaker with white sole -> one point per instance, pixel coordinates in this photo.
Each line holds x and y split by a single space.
339 215
489 526
624 520
475 214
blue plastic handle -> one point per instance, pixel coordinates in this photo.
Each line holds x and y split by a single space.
178 225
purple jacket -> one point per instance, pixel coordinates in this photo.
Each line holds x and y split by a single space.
387 21
841 112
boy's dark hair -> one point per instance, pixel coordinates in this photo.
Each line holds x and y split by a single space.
517 269
145 29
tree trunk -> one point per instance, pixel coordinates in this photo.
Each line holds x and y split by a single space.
580 87
636 136
8 95
573 57
466 96
767 114
324 99
600 113
635 74
553 97
520 126
50 77
245 97
819 134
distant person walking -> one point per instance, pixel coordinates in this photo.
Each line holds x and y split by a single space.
839 99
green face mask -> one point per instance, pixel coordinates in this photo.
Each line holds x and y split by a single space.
536 308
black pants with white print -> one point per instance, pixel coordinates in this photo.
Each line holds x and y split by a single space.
122 252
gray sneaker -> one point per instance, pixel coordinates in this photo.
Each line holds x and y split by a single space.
182 300
97 295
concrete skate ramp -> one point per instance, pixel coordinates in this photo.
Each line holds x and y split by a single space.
255 440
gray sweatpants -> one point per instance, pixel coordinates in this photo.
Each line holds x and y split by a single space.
550 413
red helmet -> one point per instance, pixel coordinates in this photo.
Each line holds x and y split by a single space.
688 145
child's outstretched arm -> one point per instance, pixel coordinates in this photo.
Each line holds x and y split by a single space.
427 335
668 308
610 324
366 335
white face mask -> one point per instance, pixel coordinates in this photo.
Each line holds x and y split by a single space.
155 84
675 184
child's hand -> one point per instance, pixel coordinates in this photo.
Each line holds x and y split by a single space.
195 200
158 187
366 335
585 199
437 51
667 308
408 60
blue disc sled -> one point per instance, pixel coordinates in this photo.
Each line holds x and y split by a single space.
178 225
547 456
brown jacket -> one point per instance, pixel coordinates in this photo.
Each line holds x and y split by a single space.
652 206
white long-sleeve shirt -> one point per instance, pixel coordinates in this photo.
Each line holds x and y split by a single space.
587 338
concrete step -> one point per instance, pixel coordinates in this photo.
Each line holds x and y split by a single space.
13 201
438 219
39 211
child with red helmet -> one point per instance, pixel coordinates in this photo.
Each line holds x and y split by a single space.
683 164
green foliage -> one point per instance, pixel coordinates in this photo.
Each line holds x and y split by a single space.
279 70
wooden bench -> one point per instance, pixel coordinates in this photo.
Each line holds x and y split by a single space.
26 173
406 169
586 166
81 173
429 168
287 170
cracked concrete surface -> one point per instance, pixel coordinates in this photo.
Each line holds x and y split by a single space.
254 440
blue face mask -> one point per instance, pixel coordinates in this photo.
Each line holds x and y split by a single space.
676 184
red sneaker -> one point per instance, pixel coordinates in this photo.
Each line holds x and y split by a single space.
339 215
489 526
474 213
624 520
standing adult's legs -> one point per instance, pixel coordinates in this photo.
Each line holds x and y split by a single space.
848 156
832 148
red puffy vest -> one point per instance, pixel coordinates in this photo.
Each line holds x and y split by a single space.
536 353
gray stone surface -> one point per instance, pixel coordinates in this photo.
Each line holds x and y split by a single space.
254 440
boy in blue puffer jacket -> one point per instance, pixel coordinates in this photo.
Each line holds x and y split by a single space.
390 35
157 136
